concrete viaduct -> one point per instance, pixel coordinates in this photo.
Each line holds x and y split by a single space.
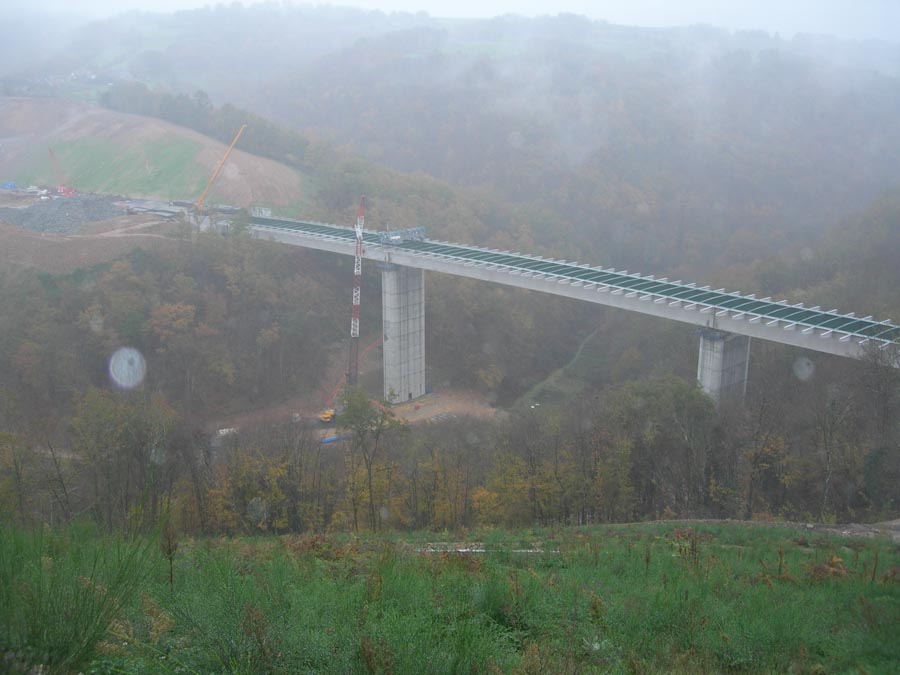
728 320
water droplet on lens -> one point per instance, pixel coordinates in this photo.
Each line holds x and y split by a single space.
803 369
127 368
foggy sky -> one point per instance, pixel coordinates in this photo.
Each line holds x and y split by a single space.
853 19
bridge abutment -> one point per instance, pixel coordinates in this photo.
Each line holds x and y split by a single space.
403 317
722 365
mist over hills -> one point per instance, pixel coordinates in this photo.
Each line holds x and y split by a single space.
742 160
698 152
665 150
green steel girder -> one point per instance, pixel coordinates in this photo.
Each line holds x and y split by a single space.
765 309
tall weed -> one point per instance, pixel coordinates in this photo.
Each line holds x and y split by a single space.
60 591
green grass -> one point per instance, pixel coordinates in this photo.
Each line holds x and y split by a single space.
60 593
568 382
163 168
648 598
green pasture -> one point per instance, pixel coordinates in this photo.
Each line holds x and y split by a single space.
164 168
655 598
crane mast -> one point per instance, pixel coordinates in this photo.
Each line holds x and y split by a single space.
353 372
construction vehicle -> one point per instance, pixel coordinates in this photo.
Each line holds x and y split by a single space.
198 205
328 416
62 189
335 439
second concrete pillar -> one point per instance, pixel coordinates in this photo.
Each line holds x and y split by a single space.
722 364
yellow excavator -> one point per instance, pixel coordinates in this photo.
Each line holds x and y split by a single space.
327 416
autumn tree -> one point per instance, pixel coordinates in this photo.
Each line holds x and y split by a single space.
369 423
123 443
667 426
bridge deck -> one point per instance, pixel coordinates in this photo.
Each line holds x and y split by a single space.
733 306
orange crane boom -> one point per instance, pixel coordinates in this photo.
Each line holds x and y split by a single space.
212 179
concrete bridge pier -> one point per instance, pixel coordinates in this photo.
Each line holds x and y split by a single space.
723 364
403 317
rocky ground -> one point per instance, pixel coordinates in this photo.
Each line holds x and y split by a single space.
64 215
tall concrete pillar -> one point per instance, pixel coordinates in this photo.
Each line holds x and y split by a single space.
403 316
723 363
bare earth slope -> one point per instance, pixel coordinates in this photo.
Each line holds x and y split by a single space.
60 254
104 151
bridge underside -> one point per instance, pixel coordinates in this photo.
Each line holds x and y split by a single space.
722 364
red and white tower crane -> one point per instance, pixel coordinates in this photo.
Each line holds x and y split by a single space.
353 372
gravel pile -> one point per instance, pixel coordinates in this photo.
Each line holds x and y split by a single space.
61 216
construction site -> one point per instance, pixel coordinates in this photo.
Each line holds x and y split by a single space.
727 320
58 228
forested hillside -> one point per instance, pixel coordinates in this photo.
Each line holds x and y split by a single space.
229 320
677 150
743 160
684 150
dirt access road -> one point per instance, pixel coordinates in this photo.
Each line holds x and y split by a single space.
437 406
98 243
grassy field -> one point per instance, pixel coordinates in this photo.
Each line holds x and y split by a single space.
165 168
642 598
